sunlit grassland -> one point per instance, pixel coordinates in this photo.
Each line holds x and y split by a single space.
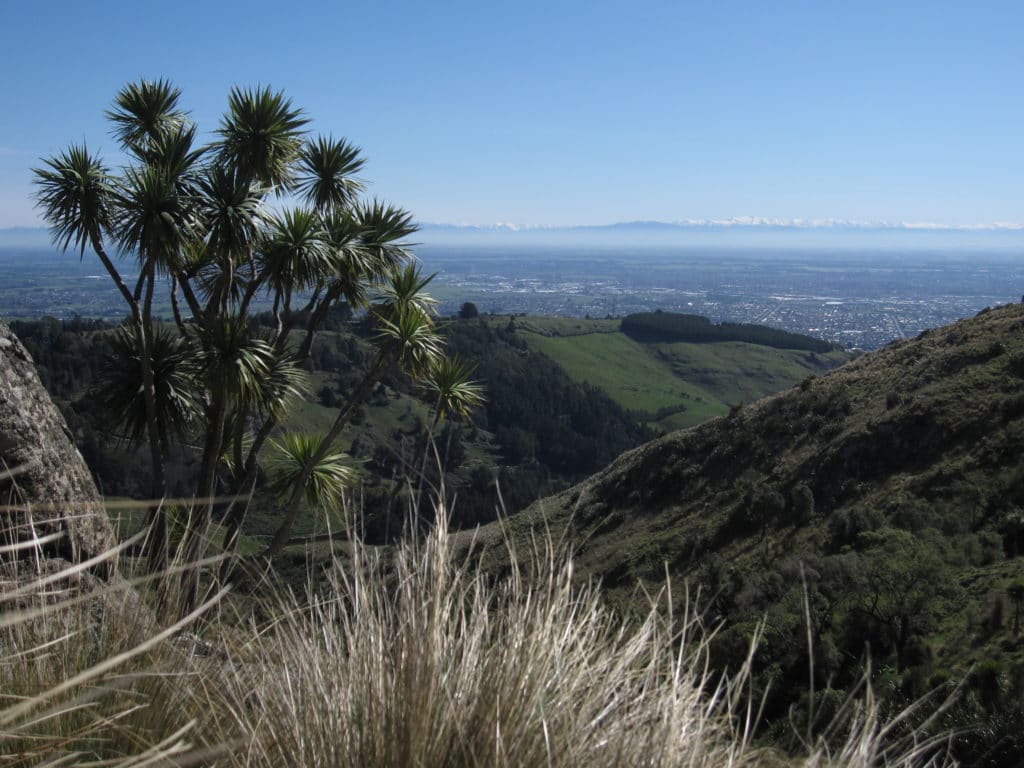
630 374
694 382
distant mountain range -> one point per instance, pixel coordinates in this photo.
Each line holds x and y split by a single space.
743 230
744 222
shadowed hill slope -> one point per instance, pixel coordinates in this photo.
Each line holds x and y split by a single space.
890 490
934 420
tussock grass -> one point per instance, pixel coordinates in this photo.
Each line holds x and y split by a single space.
407 657
86 674
411 659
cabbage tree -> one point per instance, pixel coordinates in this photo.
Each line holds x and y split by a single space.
262 211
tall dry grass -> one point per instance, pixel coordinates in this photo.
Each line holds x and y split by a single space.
88 675
406 657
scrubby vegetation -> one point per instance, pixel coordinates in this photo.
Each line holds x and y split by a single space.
878 504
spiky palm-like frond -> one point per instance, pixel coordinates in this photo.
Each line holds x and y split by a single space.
326 176
385 224
261 136
448 382
284 383
295 255
214 280
407 333
154 217
233 211
330 476
233 215
405 287
343 229
194 257
176 387
143 112
353 266
75 192
384 232
230 359
174 150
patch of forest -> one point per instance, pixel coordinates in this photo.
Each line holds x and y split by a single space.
670 326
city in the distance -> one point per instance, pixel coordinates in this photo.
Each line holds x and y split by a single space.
858 286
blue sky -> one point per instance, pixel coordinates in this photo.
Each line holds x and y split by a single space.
571 112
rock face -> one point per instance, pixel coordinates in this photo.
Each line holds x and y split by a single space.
42 474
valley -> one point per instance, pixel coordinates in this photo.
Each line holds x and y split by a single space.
885 488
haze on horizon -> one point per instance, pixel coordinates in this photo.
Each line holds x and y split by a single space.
572 113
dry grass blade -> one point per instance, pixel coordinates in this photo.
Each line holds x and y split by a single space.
61 506
13 714
34 587
407 655
34 543
12 618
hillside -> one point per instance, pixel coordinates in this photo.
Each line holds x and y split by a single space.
565 398
538 432
671 384
892 487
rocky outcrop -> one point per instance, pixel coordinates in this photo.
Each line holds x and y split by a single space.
45 485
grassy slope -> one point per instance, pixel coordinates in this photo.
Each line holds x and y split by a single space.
628 371
698 381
